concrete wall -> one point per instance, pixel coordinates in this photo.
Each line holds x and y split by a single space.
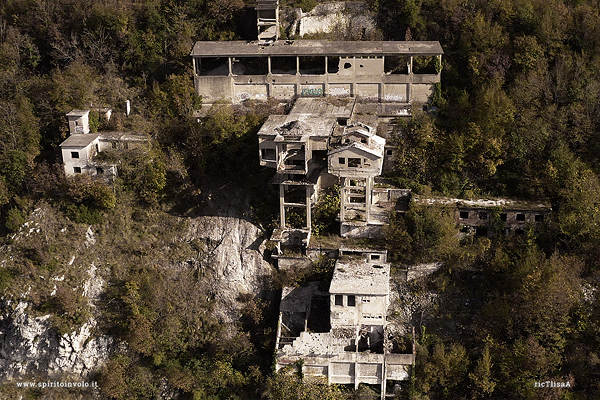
370 165
348 230
368 310
85 156
376 87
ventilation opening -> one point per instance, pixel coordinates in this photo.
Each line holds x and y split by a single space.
520 217
347 65
464 215
503 217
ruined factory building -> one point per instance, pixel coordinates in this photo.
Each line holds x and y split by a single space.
353 348
288 69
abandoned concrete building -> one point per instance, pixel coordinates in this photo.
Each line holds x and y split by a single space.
82 151
488 217
403 72
346 97
340 335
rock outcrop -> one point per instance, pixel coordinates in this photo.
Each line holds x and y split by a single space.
29 346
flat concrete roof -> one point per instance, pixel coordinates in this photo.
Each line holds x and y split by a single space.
314 48
77 113
79 140
314 116
355 276
485 203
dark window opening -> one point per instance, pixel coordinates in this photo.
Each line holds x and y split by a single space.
378 266
396 65
268 154
312 65
99 170
503 217
97 149
251 66
74 154
520 217
539 218
339 300
375 256
351 301
212 66
319 155
354 162
483 215
283 65
465 229
424 64
77 170
347 65
342 121
464 215
333 65
341 160
389 152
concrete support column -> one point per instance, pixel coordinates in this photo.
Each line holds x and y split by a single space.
230 66
308 214
342 198
410 68
368 191
281 206
326 65
440 61
297 65
269 65
194 65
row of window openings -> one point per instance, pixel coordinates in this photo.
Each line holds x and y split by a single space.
339 300
99 170
503 217
352 162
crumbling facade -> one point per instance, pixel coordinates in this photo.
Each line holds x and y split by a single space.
289 69
353 348
492 216
81 150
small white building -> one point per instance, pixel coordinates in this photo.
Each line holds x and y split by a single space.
80 150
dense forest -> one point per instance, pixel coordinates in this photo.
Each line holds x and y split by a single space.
517 115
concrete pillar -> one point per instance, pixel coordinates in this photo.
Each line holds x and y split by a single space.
440 61
269 65
368 191
194 65
326 64
342 198
281 206
230 66
410 68
297 65
308 214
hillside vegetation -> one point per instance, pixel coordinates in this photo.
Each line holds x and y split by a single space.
517 115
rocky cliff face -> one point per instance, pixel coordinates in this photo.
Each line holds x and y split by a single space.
231 260
347 19
28 346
